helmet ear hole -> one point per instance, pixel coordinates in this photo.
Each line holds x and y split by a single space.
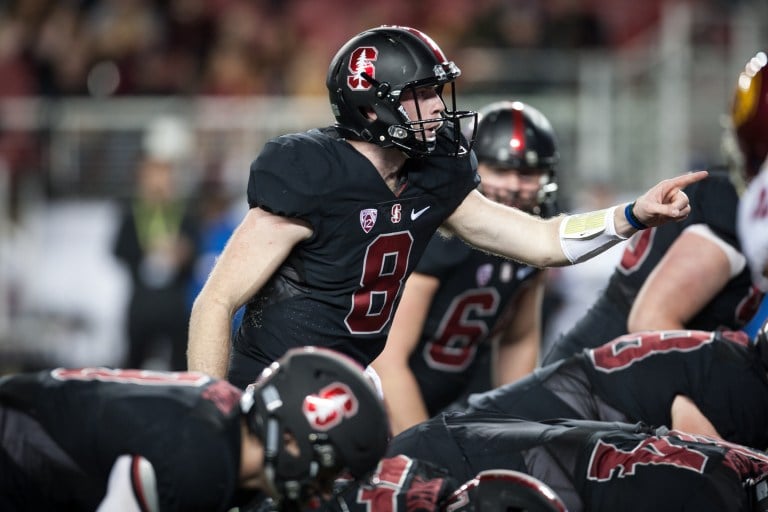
290 445
368 112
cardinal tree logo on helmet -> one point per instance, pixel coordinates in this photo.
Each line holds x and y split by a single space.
361 61
330 406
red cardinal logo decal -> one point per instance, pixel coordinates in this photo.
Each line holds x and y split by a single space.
330 406
361 61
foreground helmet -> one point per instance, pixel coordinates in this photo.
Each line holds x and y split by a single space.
325 401
502 489
369 74
749 114
514 135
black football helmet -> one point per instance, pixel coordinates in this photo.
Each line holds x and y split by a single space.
749 114
369 75
502 489
325 401
515 135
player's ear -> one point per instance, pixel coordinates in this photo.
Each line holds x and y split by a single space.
369 113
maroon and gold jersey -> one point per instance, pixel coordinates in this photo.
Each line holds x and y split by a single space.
339 288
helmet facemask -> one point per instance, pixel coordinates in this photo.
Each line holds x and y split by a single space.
540 203
396 128
297 467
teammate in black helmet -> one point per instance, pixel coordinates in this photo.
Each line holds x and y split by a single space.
470 320
340 216
134 440
517 156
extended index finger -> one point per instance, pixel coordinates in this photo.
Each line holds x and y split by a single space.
684 180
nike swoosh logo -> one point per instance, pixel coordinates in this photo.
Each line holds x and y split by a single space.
416 214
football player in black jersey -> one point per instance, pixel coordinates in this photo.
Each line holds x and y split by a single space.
590 466
460 301
658 283
340 216
134 440
703 382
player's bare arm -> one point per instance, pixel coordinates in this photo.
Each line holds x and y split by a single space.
256 249
675 292
518 344
686 416
539 242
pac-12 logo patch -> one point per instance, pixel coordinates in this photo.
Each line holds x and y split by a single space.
368 219
330 406
361 61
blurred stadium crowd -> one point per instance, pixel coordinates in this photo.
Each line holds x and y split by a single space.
247 47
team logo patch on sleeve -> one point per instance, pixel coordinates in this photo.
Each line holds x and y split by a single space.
368 219
330 406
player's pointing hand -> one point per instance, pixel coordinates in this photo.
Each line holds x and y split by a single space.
666 201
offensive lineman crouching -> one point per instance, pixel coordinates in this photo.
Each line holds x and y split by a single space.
131 440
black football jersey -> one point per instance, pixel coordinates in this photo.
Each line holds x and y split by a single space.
592 466
476 289
720 371
636 378
339 289
186 424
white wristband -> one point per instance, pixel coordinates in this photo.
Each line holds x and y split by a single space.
585 235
